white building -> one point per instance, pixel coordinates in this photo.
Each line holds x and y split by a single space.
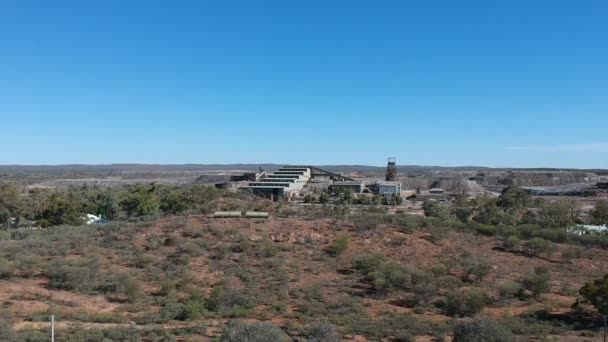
583 229
389 188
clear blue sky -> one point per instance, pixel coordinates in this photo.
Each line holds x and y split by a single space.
493 83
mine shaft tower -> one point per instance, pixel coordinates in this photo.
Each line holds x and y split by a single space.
391 170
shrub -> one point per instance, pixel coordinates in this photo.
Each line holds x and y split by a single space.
596 293
237 331
434 209
486 230
122 284
172 310
383 275
473 267
439 269
405 336
193 309
511 243
339 246
537 246
192 232
6 269
510 289
537 282
323 332
481 330
80 277
423 287
153 243
267 251
438 232
6 328
466 302
390 275
368 263
572 253
227 301
27 264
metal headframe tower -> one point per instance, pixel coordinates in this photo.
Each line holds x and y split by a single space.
391 169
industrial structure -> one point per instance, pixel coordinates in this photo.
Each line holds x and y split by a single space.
389 188
391 170
249 176
289 180
356 186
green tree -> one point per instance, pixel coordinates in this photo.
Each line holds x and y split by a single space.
558 214
107 204
9 198
324 198
434 209
479 269
173 201
596 294
514 197
396 199
466 302
489 213
60 209
202 197
599 214
537 282
346 196
140 200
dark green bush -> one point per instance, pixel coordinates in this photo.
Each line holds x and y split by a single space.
368 263
80 276
238 331
472 267
339 246
228 301
537 282
467 302
481 330
7 269
511 243
122 284
510 289
537 246
439 269
323 332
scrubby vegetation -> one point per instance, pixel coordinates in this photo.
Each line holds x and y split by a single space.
499 268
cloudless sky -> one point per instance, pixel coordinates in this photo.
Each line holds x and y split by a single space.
518 83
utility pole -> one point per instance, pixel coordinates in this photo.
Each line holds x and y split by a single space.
52 328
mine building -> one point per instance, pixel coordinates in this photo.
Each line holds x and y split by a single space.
288 181
389 188
356 186
249 176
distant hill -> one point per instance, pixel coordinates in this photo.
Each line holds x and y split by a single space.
105 168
